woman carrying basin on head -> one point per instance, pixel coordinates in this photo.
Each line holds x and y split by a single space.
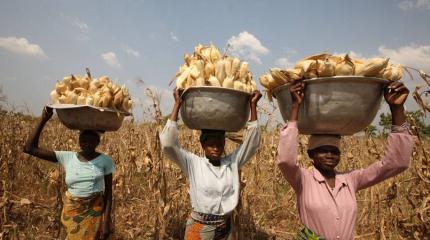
86 213
214 178
326 198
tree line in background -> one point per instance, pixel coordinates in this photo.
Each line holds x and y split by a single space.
415 119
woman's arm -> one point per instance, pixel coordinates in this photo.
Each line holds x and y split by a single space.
400 144
287 148
252 138
169 137
32 145
107 219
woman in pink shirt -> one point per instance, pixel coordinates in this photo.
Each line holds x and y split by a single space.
326 198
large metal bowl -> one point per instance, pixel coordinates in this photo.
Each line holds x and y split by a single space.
215 108
85 117
334 105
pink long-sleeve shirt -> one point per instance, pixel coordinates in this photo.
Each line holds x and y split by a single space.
332 213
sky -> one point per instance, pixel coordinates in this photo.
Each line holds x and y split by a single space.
142 40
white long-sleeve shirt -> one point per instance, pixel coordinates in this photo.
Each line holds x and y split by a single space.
213 190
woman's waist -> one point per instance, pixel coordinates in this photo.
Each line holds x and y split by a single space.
82 197
210 219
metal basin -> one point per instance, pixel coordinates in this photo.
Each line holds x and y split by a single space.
215 108
84 117
335 105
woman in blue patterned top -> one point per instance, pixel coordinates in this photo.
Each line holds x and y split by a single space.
87 204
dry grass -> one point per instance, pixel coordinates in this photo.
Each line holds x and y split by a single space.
151 198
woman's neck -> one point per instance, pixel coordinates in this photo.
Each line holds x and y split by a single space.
215 163
327 173
88 155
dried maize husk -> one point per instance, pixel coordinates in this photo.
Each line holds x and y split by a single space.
89 100
357 61
187 59
200 81
227 65
62 99
200 65
272 83
253 86
205 53
81 100
189 82
67 80
127 104
320 57
71 97
194 71
326 68
393 72
372 68
198 48
310 68
249 88
209 69
104 80
235 65
238 85
118 99
278 76
60 87
213 70
181 70
54 96
293 74
114 88
96 98
105 100
335 58
264 81
243 70
345 67
249 77
84 82
228 82
220 71
87 91
94 86
215 55
182 79
213 81
75 82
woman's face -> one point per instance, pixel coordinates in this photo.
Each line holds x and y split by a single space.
214 147
326 157
88 141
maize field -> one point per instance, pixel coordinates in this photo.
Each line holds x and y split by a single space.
150 194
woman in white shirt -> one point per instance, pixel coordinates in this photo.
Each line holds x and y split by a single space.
214 178
87 203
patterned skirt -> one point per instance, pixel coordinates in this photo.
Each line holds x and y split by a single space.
82 217
202 226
